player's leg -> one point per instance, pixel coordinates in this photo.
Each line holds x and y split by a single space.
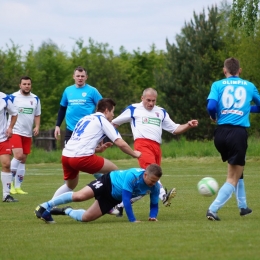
6 175
231 142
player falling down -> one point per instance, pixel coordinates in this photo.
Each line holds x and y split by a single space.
108 190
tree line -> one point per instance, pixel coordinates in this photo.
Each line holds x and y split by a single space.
182 74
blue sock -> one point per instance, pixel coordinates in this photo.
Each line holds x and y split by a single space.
75 213
61 199
224 194
241 194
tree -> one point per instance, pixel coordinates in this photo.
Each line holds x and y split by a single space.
244 15
192 64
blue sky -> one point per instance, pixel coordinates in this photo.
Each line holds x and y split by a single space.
129 23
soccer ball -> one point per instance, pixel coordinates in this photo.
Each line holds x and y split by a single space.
207 186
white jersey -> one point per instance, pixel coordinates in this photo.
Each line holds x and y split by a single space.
145 123
28 107
88 133
6 106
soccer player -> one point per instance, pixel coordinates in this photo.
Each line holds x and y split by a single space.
79 152
108 191
6 105
229 106
147 122
27 124
77 101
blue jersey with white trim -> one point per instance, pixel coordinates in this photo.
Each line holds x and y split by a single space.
79 102
132 180
234 96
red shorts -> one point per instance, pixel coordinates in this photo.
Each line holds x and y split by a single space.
151 152
73 165
19 141
5 147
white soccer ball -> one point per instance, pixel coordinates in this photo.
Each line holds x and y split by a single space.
207 186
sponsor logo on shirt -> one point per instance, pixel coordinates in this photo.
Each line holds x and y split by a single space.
151 121
77 102
25 110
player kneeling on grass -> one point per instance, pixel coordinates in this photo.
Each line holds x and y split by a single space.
108 190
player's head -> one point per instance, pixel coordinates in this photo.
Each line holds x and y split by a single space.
106 106
149 98
25 85
152 174
80 76
231 67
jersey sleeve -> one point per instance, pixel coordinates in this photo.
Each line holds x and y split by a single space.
213 92
38 107
256 96
11 108
110 130
64 99
168 125
96 96
124 117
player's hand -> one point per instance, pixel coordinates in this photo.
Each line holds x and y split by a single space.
104 146
137 154
213 120
193 123
56 132
153 219
9 132
36 131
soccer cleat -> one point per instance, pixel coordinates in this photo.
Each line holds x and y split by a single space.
212 216
168 197
20 191
39 211
120 213
59 211
9 198
246 211
12 190
46 216
113 211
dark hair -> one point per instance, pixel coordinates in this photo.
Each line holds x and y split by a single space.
154 169
80 69
232 65
105 103
25 78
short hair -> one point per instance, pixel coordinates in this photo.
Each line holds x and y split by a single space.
149 90
154 169
80 69
105 103
25 78
232 66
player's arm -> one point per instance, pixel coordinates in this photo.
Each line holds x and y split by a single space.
61 116
183 128
154 208
126 198
103 146
124 147
212 108
37 121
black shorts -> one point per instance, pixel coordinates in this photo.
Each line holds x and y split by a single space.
102 189
231 142
68 134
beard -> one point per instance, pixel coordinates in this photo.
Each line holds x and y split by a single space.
25 92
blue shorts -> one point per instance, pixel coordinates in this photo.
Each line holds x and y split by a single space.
231 143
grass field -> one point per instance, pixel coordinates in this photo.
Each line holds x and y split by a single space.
182 232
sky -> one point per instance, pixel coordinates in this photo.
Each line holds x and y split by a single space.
132 24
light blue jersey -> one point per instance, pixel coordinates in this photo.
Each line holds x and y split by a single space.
79 102
132 180
234 95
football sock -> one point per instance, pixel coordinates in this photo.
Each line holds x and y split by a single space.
223 196
162 191
14 166
75 213
19 176
63 189
6 178
97 175
61 199
241 194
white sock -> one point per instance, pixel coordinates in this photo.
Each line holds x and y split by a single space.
6 178
64 188
162 191
14 165
19 175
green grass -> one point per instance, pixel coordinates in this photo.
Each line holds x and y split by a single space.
182 232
